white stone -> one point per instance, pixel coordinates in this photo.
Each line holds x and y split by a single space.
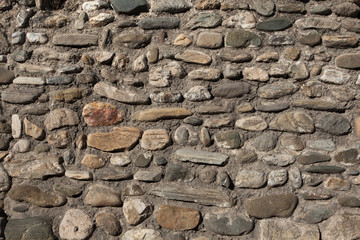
277 178
197 94
78 175
120 160
140 64
295 178
136 210
37 38
22 146
334 76
141 234
29 80
244 19
75 225
16 126
101 20
94 5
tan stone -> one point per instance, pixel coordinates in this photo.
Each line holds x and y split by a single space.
155 114
93 161
102 196
191 56
109 223
268 57
121 138
67 95
33 130
291 53
177 218
182 40
335 183
155 139
61 117
357 126
207 4
209 40
136 211
339 41
255 74
60 139
79 175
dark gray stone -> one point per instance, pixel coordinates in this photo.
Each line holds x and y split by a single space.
228 139
21 95
325 169
71 69
38 228
159 23
333 124
274 24
143 160
59 80
313 214
348 156
242 38
348 61
195 121
228 224
129 7
68 190
265 142
75 40
349 202
347 9
21 56
176 172
230 90
204 20
312 157
160 160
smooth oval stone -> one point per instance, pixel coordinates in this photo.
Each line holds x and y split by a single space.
348 61
328 169
275 24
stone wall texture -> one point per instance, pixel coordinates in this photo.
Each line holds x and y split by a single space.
179 119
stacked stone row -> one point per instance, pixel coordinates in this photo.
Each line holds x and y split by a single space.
179 119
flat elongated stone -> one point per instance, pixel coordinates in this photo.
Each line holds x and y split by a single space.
286 229
277 90
298 122
39 228
101 114
312 157
230 90
234 56
29 80
148 176
207 197
339 41
171 6
112 175
317 23
102 196
155 114
79 175
281 159
124 96
204 20
141 234
177 218
198 156
281 205
121 138
75 40
242 38
254 123
124 6
325 169
271 106
334 76
191 56
348 61
159 23
61 117
34 195
207 74
34 167
320 104
102 19
133 40
37 69
274 24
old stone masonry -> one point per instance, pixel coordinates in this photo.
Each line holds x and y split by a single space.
179 119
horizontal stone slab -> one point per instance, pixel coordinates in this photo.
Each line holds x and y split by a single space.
154 114
29 80
203 157
75 40
207 197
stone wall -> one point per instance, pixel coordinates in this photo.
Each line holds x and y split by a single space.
179 119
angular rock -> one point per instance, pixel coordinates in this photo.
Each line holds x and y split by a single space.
133 40
299 71
242 38
75 40
317 23
171 6
33 195
182 40
254 123
230 90
281 159
75 224
166 97
123 6
33 130
334 76
101 114
312 157
60 118
297 122
39 228
177 218
60 139
191 56
250 179
333 124
136 210
277 90
159 23
207 197
121 138
155 114
204 20
198 156
155 139
102 196
277 178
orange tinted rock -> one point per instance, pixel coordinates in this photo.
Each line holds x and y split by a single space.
93 161
101 114
178 218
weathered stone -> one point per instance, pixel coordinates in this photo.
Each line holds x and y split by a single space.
101 20
349 202
277 178
291 8
208 74
133 40
268 57
250 179
34 195
336 184
207 175
351 25
324 144
232 72
274 24
298 122
121 138
317 23
37 38
191 56
166 97
299 71
60 118
141 234
234 56
102 196
60 139
22 19
347 157
243 19
227 6
94 5
136 210
171 6
230 90
198 156
281 159
204 20
123 6
159 23
207 4
347 9
312 157
333 124
46 53
264 8
312 39
295 178
254 123
316 196
79 175
154 114
320 10
109 223
59 80
177 218
75 224
210 40
338 227
255 74
348 61
29 228
325 169
93 161
143 160
67 95
155 139
265 142
21 56
207 197
6 76
176 172
280 40
218 122
16 126
281 205
277 90
242 38
246 156
33 130
339 41
286 229
292 142
75 40
321 104
228 139
68 190
148 176
197 94
153 55
101 114
182 40
124 96
112 175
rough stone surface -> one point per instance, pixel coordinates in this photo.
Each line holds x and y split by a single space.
177 218
75 224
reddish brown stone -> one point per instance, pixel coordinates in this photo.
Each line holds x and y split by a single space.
178 218
101 114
